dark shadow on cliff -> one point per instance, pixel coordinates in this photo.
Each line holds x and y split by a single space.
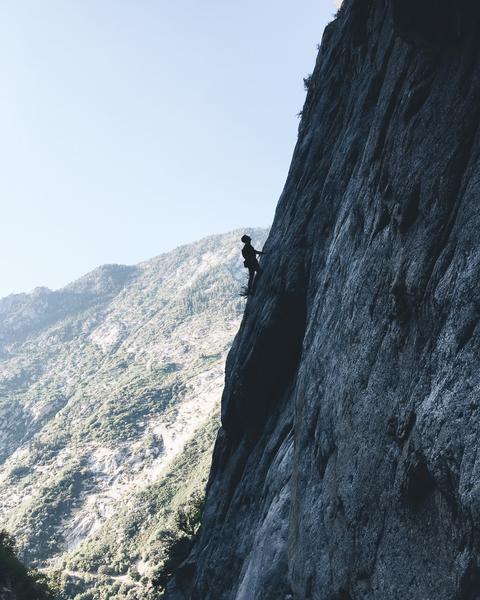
261 371
435 23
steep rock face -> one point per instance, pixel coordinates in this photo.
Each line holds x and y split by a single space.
347 467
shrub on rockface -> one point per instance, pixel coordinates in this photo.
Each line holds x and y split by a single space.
179 541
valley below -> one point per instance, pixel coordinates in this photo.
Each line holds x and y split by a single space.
109 406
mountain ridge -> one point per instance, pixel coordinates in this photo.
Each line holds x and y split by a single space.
103 383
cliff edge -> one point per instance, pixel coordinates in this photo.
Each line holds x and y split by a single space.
347 464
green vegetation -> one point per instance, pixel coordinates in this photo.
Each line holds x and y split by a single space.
108 412
124 556
15 577
180 540
46 510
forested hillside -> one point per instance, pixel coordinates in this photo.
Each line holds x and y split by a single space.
109 397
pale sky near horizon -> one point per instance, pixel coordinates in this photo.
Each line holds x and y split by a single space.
129 127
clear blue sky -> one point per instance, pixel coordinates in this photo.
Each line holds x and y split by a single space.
128 127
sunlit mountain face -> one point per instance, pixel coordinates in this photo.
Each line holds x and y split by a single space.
109 396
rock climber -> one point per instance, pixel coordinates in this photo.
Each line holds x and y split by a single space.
251 263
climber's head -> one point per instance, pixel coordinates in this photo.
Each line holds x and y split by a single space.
246 239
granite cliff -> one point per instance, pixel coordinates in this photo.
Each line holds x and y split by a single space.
347 463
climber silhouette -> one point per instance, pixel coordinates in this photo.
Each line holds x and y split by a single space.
251 263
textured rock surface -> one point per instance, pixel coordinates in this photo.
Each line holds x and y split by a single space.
347 464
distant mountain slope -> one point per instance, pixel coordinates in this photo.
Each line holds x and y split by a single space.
102 384
16 582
